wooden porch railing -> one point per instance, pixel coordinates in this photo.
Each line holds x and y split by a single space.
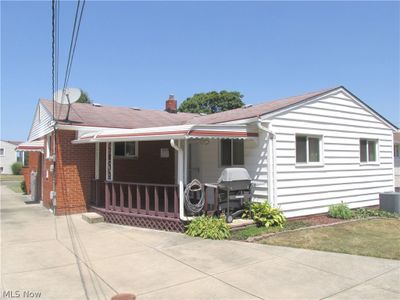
150 199
142 198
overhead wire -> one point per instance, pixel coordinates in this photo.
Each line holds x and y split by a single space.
74 38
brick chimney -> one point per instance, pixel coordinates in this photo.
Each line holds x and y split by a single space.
171 104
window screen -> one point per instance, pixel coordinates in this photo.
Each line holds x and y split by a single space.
226 153
313 149
371 151
238 152
301 149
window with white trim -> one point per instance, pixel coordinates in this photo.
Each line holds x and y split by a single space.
308 149
126 149
368 150
2 151
232 152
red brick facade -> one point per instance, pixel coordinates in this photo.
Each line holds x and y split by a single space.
75 168
148 167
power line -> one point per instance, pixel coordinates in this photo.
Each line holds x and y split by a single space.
74 39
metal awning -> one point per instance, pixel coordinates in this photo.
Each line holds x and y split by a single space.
34 146
169 132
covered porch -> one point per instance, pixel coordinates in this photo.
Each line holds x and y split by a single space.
141 174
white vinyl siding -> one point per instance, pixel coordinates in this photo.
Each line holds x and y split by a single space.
42 123
342 122
207 167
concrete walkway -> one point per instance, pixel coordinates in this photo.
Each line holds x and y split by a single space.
67 258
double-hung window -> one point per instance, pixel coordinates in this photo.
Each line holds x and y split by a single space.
368 150
308 149
232 152
126 149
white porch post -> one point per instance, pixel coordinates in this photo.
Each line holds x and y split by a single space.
181 166
109 161
97 161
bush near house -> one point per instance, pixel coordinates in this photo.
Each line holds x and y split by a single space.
264 215
208 228
23 186
340 211
16 168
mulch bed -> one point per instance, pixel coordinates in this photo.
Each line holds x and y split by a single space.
318 220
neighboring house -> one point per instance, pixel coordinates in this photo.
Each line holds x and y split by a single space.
396 154
303 153
8 156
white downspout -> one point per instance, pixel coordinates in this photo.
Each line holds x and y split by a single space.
180 181
270 162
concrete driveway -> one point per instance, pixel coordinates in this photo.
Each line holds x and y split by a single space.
67 258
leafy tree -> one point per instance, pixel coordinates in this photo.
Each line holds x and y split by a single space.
212 102
84 98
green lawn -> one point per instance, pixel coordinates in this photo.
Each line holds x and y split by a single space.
5 177
376 237
13 185
251 231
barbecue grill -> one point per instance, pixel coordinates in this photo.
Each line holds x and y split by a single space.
234 186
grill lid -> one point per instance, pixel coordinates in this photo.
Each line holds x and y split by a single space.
234 174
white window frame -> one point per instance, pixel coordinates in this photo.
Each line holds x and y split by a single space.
136 155
368 162
308 163
4 151
220 155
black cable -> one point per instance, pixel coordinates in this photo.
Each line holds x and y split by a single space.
53 52
74 39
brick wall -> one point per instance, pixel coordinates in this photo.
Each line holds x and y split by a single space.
74 170
34 164
148 167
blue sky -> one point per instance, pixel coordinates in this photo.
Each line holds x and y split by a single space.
136 53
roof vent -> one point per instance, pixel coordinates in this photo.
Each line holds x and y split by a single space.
203 114
97 104
135 108
247 105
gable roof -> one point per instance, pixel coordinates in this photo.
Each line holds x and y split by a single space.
83 114
255 110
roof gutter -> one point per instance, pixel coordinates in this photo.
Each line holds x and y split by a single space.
180 181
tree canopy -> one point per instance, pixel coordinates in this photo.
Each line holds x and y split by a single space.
84 98
212 102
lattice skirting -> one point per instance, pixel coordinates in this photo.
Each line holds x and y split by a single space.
152 222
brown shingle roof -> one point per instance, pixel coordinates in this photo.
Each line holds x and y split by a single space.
125 117
255 110
116 117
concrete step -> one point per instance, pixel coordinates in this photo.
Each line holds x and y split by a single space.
92 217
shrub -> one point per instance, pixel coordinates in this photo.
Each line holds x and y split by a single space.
208 228
16 168
340 211
23 186
367 212
265 215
